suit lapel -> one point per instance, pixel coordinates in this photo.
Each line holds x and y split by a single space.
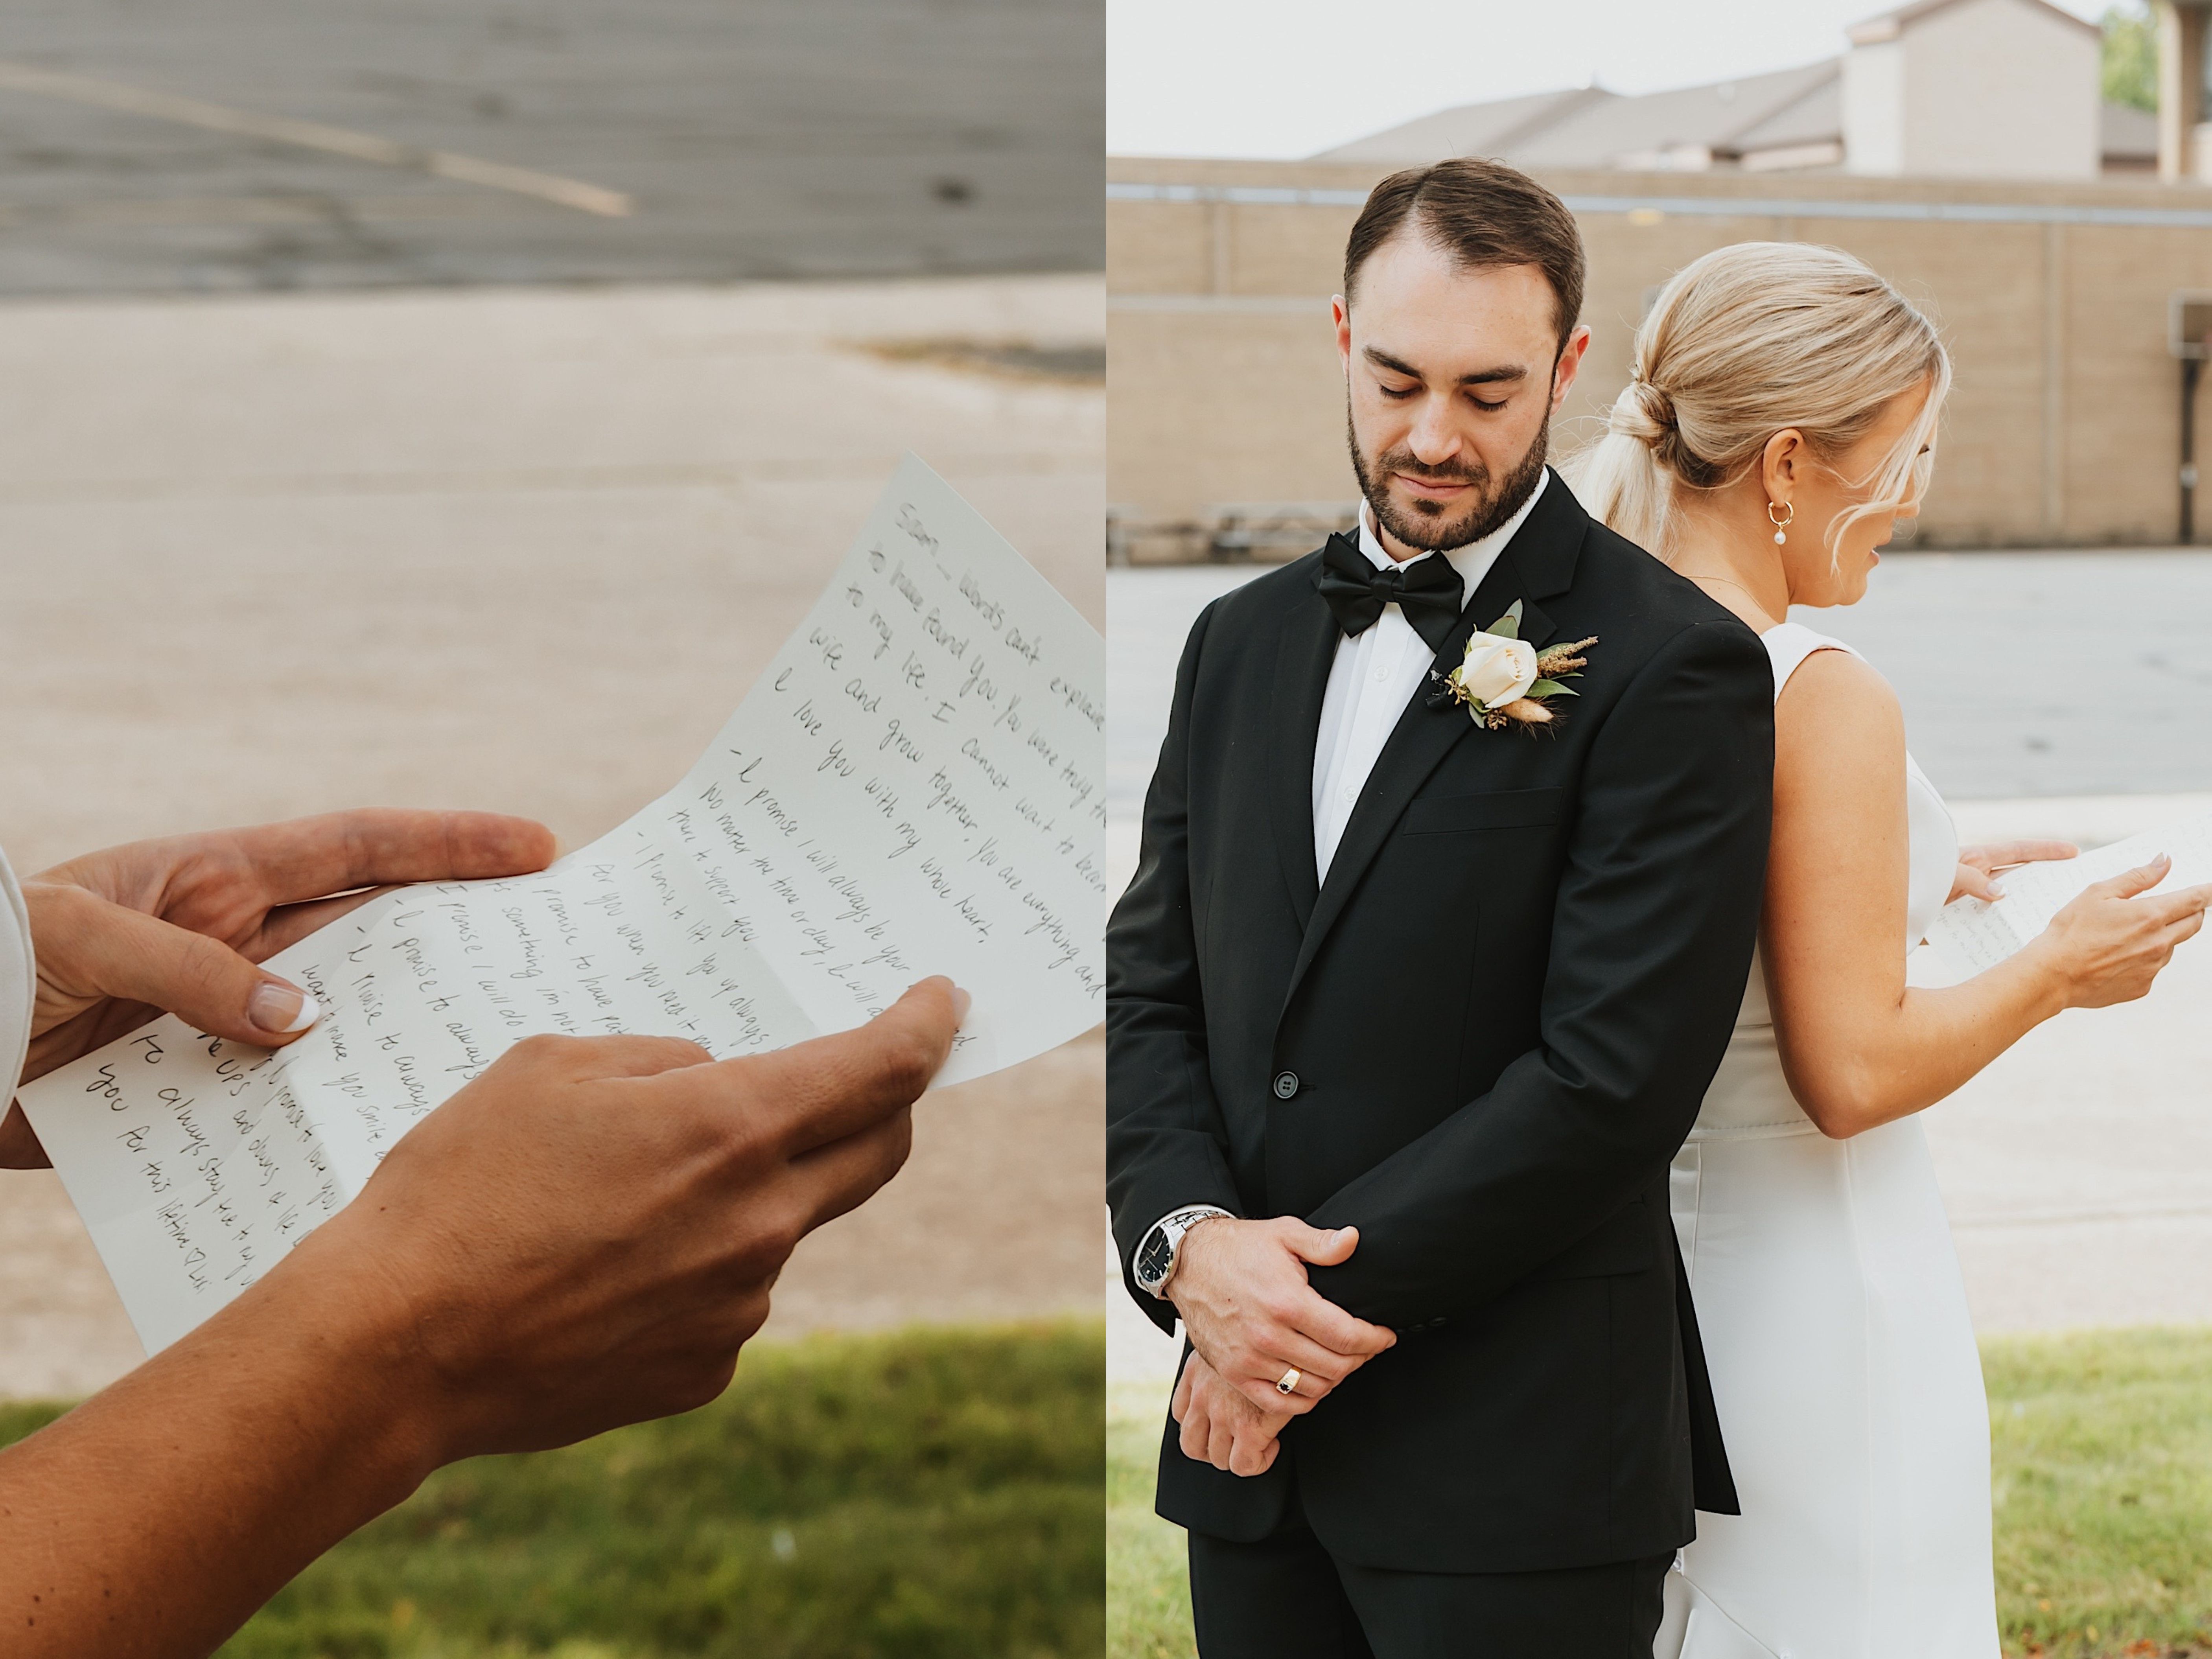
1538 562
1302 659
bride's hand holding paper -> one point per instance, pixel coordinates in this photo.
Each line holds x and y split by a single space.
2110 941
1981 869
177 923
2025 886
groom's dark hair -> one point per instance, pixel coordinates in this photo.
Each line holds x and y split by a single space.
1484 213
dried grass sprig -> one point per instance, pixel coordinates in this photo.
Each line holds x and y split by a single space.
1558 660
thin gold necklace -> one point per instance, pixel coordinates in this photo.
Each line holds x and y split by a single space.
1760 603
1725 582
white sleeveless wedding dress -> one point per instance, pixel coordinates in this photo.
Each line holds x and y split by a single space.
1843 1360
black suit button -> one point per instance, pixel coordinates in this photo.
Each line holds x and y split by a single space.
1287 1084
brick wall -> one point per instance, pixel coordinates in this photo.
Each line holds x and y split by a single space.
2063 429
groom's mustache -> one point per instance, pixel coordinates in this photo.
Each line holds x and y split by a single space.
1403 460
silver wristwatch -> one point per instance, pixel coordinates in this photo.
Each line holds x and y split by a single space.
1156 1252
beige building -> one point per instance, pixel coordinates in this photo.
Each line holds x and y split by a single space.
1973 89
1225 392
1959 88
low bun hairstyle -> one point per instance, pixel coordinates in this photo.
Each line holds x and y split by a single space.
1742 344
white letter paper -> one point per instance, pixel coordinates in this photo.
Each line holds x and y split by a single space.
914 785
1971 934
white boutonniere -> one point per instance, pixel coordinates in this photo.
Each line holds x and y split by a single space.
1505 681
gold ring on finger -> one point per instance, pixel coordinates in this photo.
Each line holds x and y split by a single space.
1288 1382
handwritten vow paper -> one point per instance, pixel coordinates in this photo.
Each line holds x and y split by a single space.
914 785
1971 935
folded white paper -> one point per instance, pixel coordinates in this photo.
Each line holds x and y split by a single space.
1971 935
914 785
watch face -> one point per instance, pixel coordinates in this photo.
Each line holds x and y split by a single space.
1154 1256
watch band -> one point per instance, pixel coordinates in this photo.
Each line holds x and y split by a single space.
1158 1253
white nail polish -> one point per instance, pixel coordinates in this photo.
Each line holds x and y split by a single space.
310 1011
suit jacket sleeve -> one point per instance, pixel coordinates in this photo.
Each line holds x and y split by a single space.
1166 1143
1652 932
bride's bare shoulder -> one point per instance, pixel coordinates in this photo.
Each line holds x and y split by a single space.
1837 710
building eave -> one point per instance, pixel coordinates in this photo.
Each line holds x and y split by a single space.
1891 25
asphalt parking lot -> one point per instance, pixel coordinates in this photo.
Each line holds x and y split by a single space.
247 145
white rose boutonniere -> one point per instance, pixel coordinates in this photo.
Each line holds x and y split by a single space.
1495 671
1505 681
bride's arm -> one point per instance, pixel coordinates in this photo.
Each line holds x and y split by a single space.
1859 1046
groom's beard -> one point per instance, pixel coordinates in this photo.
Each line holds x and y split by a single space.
1427 527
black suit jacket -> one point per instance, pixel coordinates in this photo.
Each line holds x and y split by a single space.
1494 1022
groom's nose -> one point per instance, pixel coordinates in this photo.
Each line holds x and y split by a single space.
1435 438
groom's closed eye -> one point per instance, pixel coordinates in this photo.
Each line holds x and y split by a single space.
1400 393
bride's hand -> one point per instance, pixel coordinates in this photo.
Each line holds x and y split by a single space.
1977 865
178 924
2109 944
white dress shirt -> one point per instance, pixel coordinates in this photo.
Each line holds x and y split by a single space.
1376 673
1375 676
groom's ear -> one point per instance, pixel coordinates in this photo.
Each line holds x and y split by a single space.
1339 312
1569 364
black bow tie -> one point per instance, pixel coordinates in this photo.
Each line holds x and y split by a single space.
1427 592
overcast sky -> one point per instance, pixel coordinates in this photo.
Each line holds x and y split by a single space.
1287 77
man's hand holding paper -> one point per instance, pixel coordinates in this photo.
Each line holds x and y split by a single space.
586 1234
582 1237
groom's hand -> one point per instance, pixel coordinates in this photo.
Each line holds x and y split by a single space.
1241 1288
1220 1426
177 925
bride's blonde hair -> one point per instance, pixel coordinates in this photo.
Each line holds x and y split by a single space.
1747 341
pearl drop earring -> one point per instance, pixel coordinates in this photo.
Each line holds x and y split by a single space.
1781 524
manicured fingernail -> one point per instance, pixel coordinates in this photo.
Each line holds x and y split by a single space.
1996 888
960 1004
282 1009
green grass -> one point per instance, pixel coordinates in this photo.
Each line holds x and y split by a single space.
2102 1458
933 1494
1147 1589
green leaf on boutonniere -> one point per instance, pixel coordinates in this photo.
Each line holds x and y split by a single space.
1549 688
1507 627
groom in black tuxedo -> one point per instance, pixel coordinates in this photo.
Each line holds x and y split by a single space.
1416 994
